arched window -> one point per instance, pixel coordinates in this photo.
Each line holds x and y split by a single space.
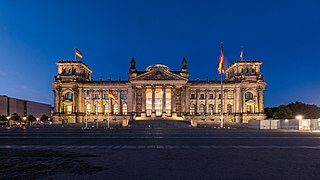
69 71
64 71
124 109
249 96
192 109
211 109
115 109
69 96
201 109
229 108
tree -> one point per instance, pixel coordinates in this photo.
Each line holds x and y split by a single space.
283 112
44 118
270 111
15 117
3 119
31 119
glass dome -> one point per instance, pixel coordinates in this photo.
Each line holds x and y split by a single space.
157 66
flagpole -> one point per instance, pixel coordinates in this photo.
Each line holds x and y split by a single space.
75 55
108 119
221 112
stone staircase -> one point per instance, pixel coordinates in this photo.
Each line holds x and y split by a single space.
159 124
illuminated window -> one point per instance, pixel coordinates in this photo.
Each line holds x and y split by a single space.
250 109
124 109
105 96
88 108
97 109
168 102
229 108
148 101
115 109
106 108
193 96
211 109
96 96
192 109
201 109
69 109
201 96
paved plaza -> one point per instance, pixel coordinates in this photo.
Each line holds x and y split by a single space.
154 153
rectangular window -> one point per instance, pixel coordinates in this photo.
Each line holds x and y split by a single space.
105 96
201 96
211 96
124 96
219 96
193 96
96 96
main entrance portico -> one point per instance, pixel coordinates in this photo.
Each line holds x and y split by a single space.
158 101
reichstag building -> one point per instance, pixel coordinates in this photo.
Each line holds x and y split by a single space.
158 93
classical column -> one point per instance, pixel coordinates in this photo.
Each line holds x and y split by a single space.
216 94
183 100
119 102
197 101
187 101
143 103
75 100
206 101
133 103
164 101
173 101
153 112
225 103
243 101
56 100
92 110
101 101
261 102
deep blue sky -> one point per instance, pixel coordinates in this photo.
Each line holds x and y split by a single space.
284 35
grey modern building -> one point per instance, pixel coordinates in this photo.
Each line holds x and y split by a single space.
9 105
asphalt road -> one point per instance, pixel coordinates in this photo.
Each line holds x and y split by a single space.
180 153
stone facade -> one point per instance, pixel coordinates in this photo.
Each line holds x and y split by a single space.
158 93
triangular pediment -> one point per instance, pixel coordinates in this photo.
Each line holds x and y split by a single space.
159 74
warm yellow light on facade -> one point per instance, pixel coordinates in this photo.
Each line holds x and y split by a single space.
299 117
8 117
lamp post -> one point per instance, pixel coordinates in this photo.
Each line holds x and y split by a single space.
24 119
8 118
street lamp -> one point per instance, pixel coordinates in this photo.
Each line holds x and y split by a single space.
8 118
299 117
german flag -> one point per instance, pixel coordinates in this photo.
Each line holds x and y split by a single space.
220 64
78 53
111 95
241 54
